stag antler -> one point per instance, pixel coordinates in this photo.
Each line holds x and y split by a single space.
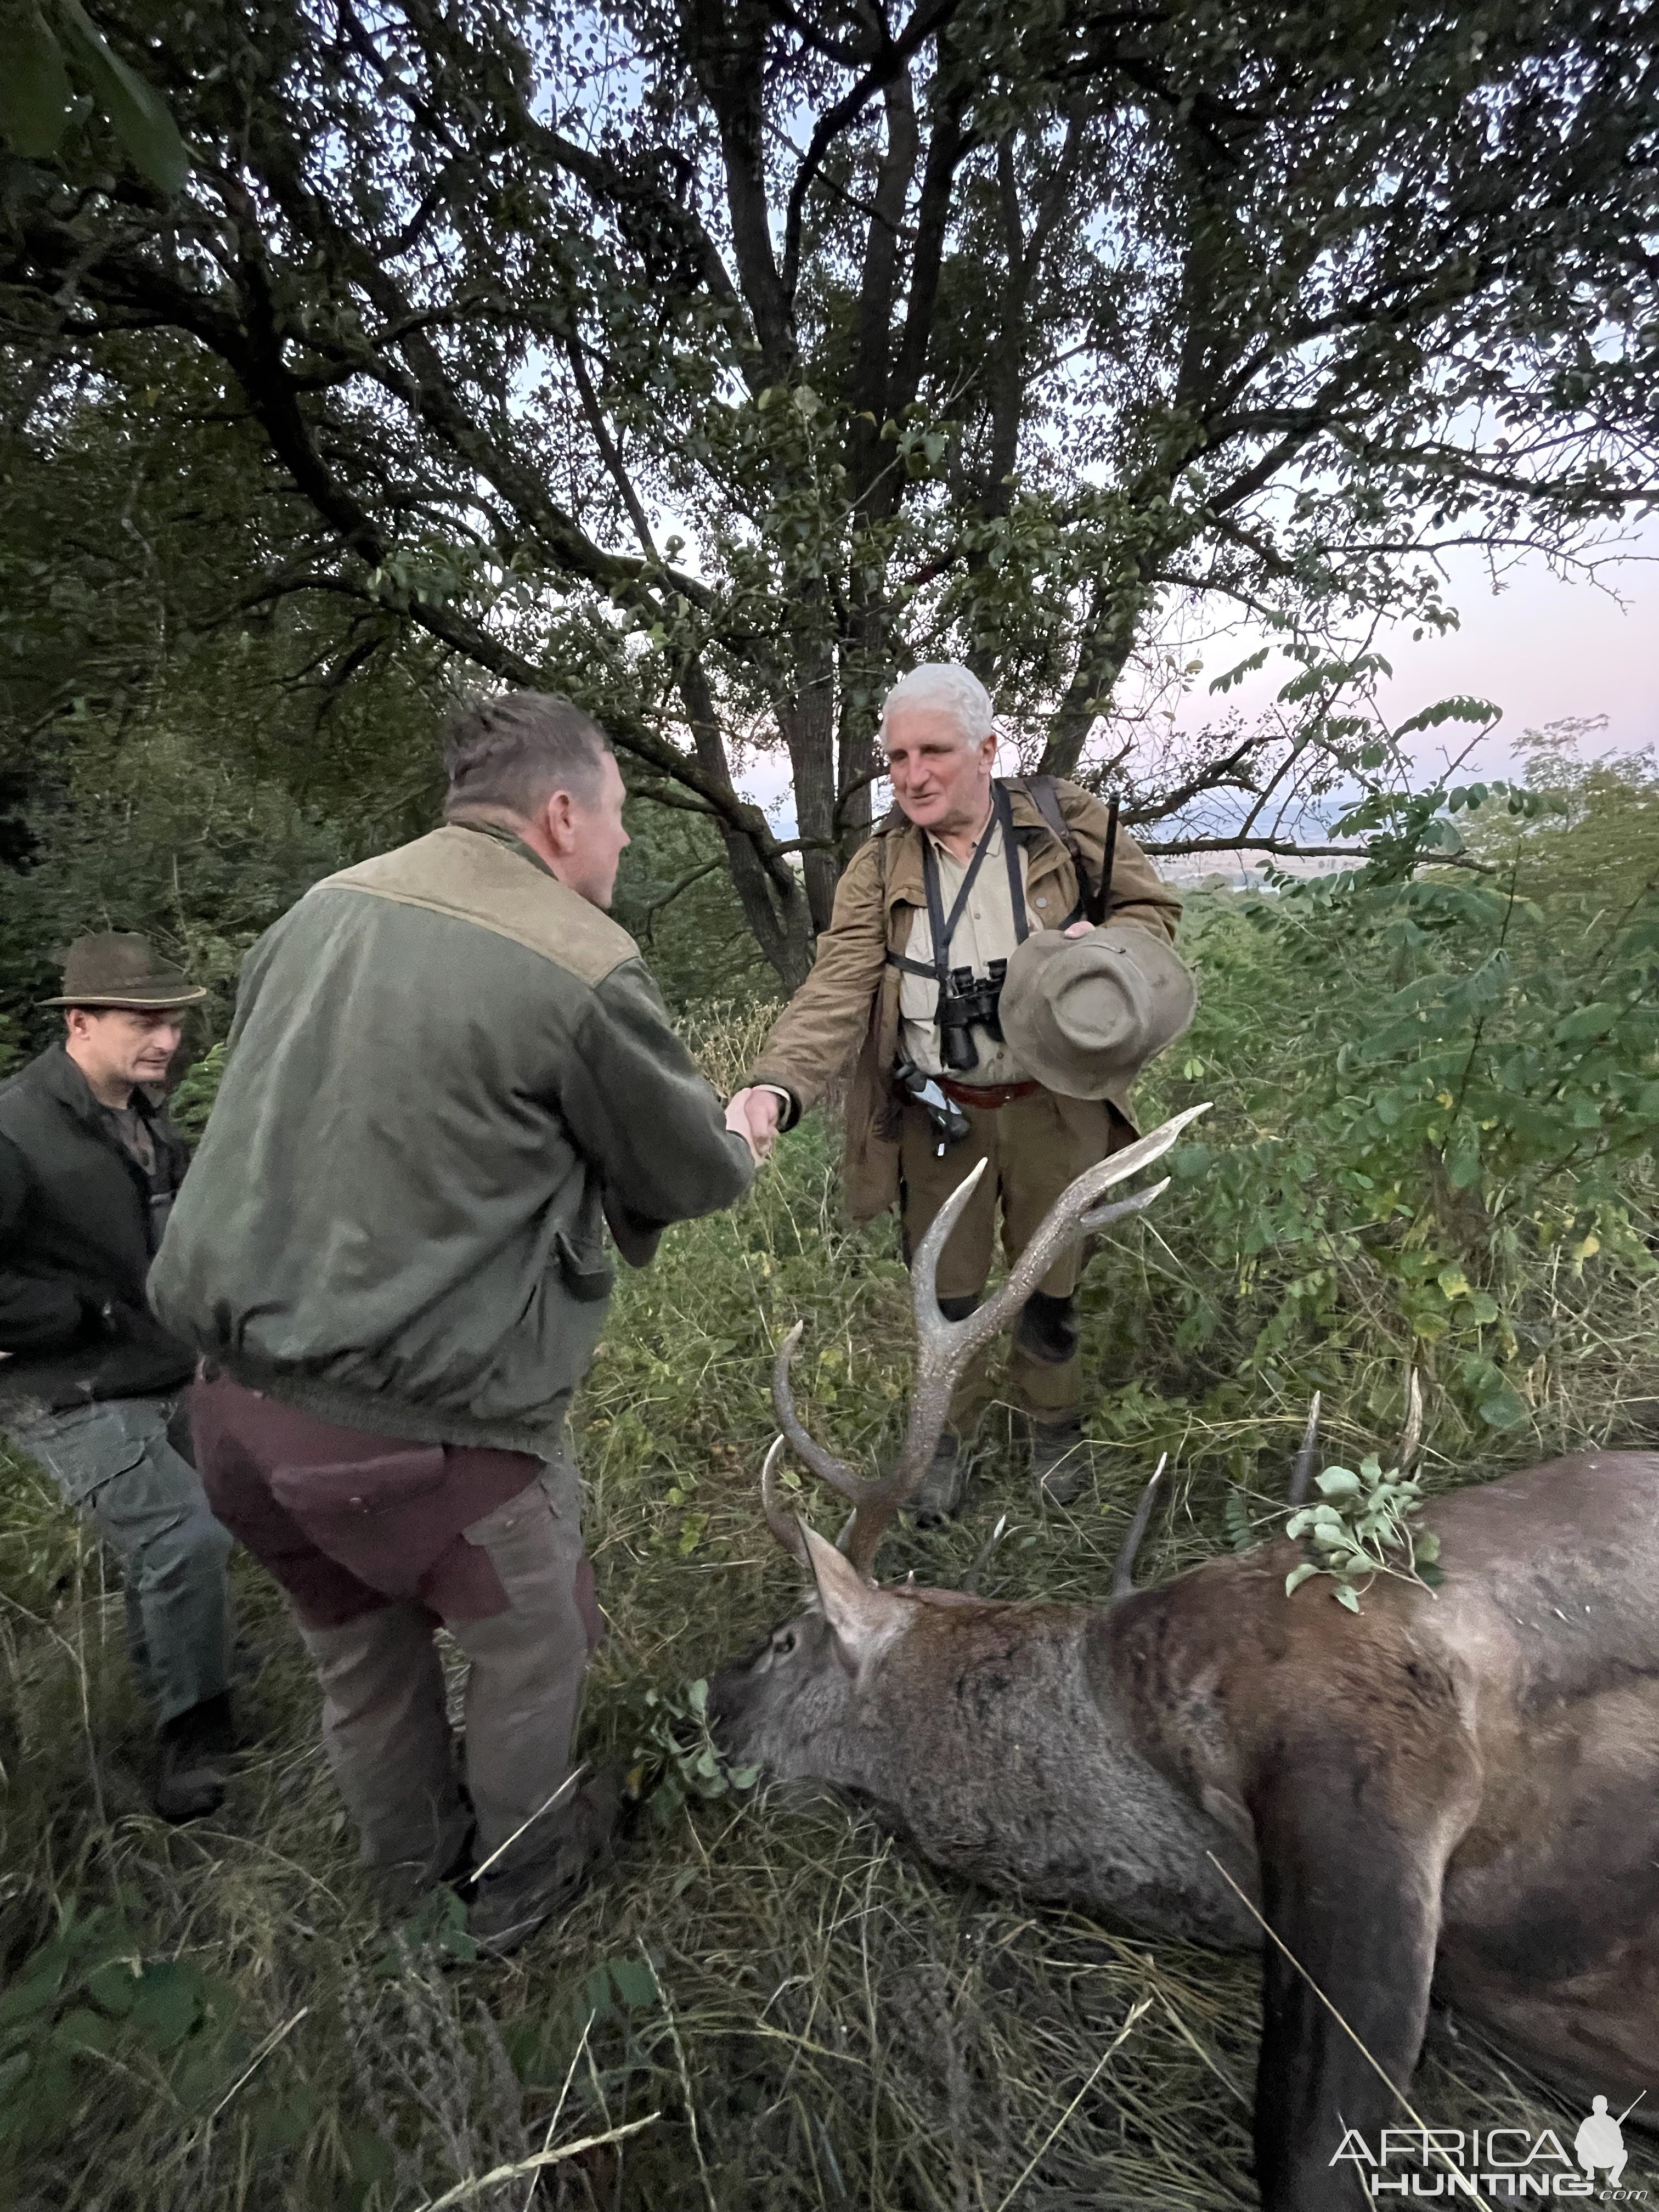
1412 1442
1302 1473
1123 1574
946 1346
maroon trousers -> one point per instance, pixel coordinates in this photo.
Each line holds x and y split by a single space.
379 1542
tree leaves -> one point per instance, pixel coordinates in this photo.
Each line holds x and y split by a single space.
36 98
37 103
1023 408
1366 1525
137 113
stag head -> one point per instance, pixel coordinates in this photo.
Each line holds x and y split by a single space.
807 1700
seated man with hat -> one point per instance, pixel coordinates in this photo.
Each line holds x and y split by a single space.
992 1020
89 1165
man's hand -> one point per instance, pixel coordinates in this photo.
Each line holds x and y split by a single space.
1079 929
753 1114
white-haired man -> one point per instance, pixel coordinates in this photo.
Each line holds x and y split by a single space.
927 915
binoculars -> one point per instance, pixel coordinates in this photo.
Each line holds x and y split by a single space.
968 1002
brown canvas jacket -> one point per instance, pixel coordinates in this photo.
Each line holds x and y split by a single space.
850 1002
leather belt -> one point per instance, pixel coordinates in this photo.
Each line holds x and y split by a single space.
986 1095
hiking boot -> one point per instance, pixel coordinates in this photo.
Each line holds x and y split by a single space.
507 1908
938 1496
195 1750
1059 1462
1047 1328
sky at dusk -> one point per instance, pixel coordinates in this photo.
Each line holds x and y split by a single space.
1542 647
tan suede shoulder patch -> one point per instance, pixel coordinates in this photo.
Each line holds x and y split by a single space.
477 880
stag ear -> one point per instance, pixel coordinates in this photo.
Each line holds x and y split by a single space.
865 1620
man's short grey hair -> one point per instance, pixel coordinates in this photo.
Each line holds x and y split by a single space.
511 754
947 687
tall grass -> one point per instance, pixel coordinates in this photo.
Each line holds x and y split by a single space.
785 2007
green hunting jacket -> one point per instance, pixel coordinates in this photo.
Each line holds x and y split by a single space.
75 1238
446 1072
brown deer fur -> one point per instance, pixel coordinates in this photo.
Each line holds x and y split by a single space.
1457 1789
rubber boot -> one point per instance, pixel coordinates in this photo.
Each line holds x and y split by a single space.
195 1750
1059 1461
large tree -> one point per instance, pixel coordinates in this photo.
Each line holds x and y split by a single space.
713 358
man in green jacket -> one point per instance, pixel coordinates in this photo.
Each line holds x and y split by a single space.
90 1168
448 1072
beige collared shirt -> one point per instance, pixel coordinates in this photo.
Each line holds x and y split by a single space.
985 932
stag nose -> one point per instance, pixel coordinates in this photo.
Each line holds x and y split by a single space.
734 1710
725 1702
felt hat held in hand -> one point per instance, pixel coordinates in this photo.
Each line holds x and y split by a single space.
1083 1015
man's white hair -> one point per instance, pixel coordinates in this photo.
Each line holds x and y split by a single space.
947 687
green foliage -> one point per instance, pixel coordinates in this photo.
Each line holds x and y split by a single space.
90 2001
1241 1532
677 1752
39 106
546 365
435 1933
1365 1527
1431 1087
192 1100
674 896
846 2024
181 752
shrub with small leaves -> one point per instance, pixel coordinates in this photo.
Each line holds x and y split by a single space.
1365 1525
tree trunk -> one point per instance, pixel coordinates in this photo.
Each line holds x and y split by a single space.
774 902
1109 638
807 719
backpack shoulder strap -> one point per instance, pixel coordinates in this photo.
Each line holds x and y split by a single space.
1091 896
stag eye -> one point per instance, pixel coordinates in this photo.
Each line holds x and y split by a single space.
783 1642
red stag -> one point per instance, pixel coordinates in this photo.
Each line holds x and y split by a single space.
1455 1791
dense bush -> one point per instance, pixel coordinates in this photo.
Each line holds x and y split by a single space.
1438 1095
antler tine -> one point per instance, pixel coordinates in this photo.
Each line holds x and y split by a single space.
1101 1217
945 1348
1123 1574
930 1400
1064 1219
825 1464
779 1518
1412 1442
1302 1472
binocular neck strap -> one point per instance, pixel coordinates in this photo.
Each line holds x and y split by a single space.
943 931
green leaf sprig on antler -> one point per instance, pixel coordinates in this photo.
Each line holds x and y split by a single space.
1365 1525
